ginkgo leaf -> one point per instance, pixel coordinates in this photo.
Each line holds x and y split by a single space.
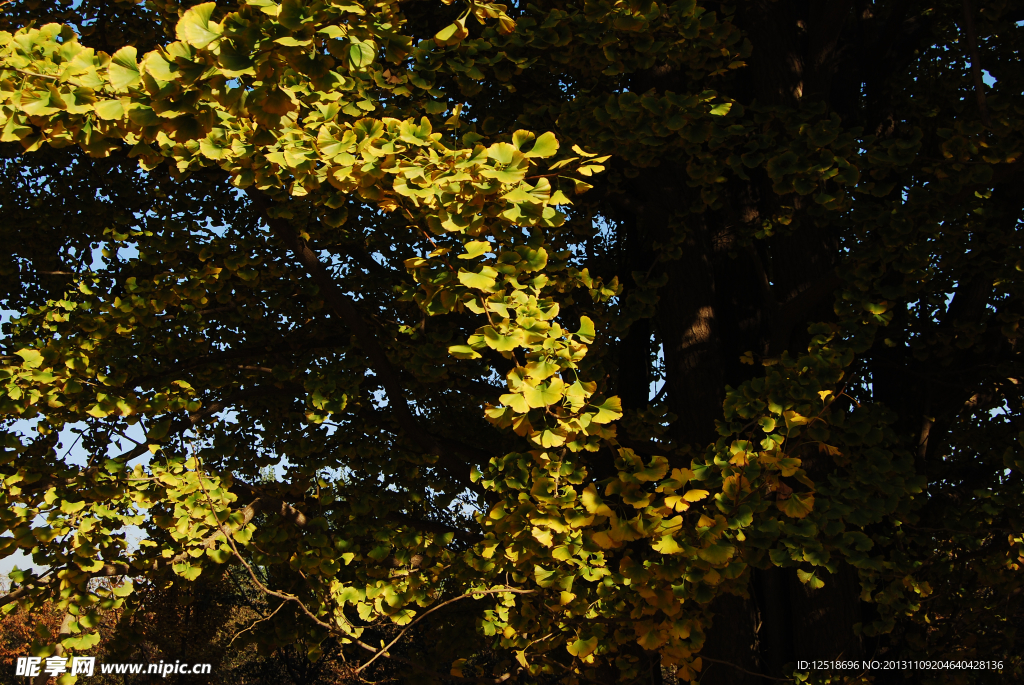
548 438
546 146
187 570
667 545
516 401
123 70
718 553
521 138
544 577
810 579
798 505
535 260
540 370
417 134
502 153
485 279
195 27
586 331
593 502
463 352
361 54
33 358
582 648
291 42
500 342
475 248
81 642
452 34
608 411
109 109
651 638
544 394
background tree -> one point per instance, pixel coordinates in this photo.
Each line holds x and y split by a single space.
752 398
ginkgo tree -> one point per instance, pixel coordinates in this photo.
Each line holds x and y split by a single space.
601 340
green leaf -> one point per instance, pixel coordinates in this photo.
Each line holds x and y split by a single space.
546 146
360 54
521 138
543 577
187 570
516 401
695 495
582 648
798 505
195 27
586 332
608 411
452 34
124 68
475 248
109 109
721 110
502 153
33 358
416 134
291 14
485 280
535 260
379 552
811 579
667 545
502 343
463 352
81 643
71 507
544 394
543 369
718 553
290 42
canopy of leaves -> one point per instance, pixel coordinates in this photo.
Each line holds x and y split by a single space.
588 336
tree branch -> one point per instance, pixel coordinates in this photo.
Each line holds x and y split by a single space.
453 457
475 595
435 527
113 569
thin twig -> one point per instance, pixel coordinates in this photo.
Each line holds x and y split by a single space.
25 72
472 593
327 626
33 73
260 620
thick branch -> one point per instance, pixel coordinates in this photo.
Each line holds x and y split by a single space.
65 630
